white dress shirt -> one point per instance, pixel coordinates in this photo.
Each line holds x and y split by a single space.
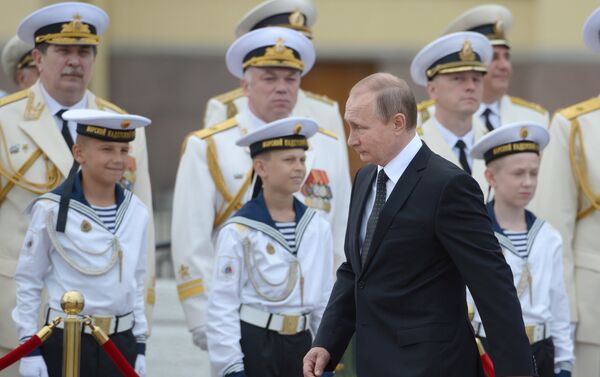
55 107
394 170
451 139
494 113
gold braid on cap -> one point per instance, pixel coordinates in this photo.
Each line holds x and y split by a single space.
276 56
468 62
74 32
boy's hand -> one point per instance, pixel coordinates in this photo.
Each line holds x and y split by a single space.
33 366
140 365
199 337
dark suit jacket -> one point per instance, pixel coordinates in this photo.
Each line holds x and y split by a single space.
407 304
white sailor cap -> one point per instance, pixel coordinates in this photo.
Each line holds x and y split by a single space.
286 133
591 31
69 23
456 52
492 20
16 55
299 15
106 125
517 137
270 47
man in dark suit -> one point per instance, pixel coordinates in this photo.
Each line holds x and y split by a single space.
417 233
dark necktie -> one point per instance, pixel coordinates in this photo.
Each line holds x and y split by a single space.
462 156
380 196
65 129
486 114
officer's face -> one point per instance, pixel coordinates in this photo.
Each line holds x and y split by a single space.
272 92
499 72
514 178
103 162
281 171
459 92
65 70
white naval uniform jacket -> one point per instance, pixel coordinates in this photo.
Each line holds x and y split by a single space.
250 250
547 301
84 258
434 139
27 124
562 195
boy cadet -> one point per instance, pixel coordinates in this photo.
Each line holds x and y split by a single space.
89 235
270 62
18 64
452 69
35 153
497 108
570 201
273 264
531 246
299 15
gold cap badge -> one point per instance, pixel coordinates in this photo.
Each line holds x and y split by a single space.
467 54
297 128
524 132
296 18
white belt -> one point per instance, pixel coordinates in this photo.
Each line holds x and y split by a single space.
283 324
535 333
110 324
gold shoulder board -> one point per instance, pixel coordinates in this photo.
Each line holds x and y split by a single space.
530 105
219 127
104 104
13 97
580 108
423 105
230 96
328 133
320 97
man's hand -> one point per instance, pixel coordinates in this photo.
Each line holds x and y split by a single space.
199 337
315 361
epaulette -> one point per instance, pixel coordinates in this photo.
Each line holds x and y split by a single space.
219 127
529 105
320 97
580 108
423 105
104 104
328 133
14 97
230 96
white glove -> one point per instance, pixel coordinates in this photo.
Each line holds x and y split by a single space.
33 366
199 337
140 365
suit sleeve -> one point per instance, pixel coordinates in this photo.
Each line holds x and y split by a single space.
191 230
464 229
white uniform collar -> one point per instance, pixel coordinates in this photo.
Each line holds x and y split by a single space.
451 138
54 106
396 167
494 108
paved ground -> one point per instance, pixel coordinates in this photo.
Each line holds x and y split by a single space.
170 349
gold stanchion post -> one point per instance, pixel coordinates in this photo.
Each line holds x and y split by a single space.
72 303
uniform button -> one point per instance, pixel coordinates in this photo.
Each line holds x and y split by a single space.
361 284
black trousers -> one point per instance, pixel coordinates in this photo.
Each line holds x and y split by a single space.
543 352
270 354
94 361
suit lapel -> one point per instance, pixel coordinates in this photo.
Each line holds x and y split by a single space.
358 207
402 191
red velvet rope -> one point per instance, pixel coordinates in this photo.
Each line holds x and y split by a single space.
488 366
19 352
117 357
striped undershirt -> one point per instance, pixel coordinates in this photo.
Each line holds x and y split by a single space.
108 215
288 230
519 241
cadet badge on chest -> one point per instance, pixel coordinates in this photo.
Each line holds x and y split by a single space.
317 191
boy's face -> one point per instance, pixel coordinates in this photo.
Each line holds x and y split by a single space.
103 161
514 178
282 170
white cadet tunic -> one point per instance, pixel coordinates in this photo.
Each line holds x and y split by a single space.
545 302
214 180
107 268
255 267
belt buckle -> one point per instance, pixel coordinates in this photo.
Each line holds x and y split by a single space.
530 331
290 325
104 323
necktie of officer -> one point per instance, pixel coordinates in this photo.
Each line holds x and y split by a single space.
65 129
486 115
462 155
380 196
